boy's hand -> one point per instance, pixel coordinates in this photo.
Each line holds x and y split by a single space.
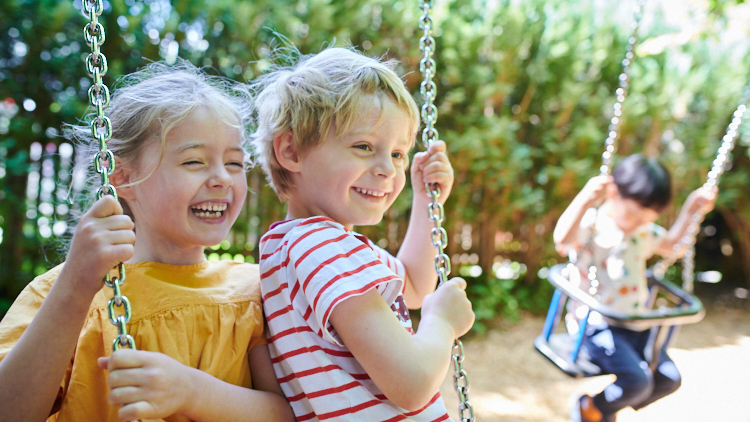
148 385
103 238
432 166
449 302
701 200
595 190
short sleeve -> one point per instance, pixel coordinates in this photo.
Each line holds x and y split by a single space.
333 265
20 315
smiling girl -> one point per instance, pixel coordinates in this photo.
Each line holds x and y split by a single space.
179 143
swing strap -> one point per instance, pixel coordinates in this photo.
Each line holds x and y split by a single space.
104 160
428 90
613 131
712 179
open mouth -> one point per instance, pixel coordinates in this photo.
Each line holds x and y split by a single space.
372 193
209 209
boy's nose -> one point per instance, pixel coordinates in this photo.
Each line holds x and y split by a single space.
385 167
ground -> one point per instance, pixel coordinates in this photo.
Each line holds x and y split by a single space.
511 382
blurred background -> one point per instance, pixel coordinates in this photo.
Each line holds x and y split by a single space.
525 94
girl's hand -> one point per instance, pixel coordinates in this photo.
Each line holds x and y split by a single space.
148 385
103 238
702 200
432 166
449 302
595 190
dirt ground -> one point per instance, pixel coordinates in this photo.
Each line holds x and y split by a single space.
511 382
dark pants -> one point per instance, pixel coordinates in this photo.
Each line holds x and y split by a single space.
621 352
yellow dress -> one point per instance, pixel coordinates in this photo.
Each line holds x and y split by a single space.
206 316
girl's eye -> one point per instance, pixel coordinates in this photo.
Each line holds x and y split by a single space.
398 155
187 163
237 164
363 147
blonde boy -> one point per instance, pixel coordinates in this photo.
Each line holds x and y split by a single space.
334 134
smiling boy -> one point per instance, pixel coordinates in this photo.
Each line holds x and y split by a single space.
334 134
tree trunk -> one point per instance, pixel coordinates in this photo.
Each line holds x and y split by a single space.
741 231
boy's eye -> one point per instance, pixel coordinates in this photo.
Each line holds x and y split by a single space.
397 155
189 162
237 164
363 147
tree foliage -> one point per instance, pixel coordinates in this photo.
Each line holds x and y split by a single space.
525 92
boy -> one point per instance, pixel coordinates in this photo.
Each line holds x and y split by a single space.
334 133
618 239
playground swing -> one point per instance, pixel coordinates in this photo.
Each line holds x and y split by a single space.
104 163
428 90
563 349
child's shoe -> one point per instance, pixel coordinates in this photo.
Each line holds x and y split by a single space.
582 409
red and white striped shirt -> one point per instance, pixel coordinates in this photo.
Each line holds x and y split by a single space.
307 267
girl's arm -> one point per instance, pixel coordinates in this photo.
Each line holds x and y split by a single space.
151 385
417 252
408 369
592 194
701 201
31 373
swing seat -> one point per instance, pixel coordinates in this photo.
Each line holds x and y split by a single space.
564 350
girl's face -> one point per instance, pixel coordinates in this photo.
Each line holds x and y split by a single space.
193 196
354 179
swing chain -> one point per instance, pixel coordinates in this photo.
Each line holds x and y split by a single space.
439 236
104 160
717 169
613 131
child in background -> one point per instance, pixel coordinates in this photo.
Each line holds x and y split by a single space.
618 239
334 133
179 144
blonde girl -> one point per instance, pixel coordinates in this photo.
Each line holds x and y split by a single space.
179 143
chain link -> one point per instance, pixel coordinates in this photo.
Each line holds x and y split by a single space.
687 242
104 160
428 89
613 131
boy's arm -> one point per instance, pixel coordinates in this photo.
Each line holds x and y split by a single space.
701 201
417 252
566 230
408 369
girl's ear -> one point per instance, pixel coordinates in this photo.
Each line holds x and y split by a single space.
286 152
121 179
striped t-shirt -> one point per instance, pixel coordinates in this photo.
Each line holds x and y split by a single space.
308 266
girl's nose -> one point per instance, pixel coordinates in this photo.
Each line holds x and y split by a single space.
220 177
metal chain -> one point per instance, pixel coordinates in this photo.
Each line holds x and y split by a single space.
717 169
104 160
610 144
439 236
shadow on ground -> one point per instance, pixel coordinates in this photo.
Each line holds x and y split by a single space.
511 382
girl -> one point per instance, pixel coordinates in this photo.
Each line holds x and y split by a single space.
179 145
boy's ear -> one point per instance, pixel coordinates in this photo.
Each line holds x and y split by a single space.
286 152
121 178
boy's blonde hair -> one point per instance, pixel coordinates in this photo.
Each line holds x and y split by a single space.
318 93
147 104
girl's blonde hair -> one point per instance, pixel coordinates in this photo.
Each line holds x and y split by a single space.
318 93
147 104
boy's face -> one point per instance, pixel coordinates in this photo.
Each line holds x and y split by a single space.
629 214
354 179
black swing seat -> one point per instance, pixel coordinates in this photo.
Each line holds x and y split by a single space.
563 350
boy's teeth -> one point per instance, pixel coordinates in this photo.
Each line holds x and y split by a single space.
209 210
